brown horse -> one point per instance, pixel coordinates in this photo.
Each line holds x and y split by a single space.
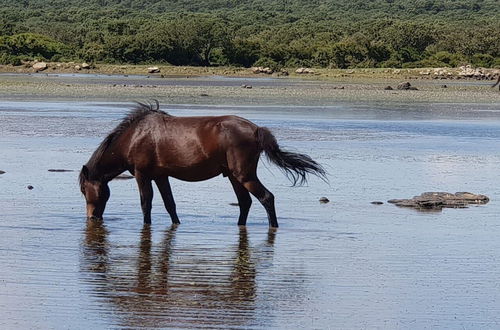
153 145
497 83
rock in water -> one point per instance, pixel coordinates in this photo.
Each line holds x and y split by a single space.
2 172
324 200
440 200
404 86
124 177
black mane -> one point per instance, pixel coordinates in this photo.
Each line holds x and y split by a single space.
137 113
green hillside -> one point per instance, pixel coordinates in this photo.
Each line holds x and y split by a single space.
322 33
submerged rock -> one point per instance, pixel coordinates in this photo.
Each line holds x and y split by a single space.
405 86
440 200
124 177
377 203
388 88
59 170
2 172
324 200
30 187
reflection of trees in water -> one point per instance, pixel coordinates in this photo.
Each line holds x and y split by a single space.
164 285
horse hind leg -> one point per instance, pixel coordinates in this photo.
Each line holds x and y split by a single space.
265 197
243 167
244 200
168 199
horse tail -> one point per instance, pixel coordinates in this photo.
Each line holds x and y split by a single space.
295 166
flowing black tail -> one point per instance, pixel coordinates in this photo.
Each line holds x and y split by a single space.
295 166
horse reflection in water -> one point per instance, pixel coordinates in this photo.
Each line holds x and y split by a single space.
175 287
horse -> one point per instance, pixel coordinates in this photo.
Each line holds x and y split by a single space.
154 145
497 83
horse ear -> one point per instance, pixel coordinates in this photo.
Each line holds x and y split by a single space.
85 172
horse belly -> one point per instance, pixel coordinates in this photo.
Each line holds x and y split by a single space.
198 172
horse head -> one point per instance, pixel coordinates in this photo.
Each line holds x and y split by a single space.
96 192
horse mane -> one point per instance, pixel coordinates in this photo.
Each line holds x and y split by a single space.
136 114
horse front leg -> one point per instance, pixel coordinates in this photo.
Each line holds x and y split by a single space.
168 199
244 200
146 192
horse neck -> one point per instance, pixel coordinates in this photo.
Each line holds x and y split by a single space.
108 167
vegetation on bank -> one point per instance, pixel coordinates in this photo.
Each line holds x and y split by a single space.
275 33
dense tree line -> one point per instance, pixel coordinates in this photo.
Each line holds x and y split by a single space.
276 33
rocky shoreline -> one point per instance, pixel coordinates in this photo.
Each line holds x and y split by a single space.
461 73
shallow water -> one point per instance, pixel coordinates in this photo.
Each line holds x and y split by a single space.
346 264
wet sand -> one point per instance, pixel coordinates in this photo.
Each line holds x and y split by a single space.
347 264
220 90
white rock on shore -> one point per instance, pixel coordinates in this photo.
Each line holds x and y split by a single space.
40 66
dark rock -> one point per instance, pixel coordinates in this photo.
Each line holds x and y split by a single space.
59 170
324 200
406 86
203 94
440 200
444 86
388 88
377 203
234 204
2 172
30 187
283 72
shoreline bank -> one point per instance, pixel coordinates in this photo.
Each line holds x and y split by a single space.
212 86
169 71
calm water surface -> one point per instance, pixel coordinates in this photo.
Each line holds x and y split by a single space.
344 265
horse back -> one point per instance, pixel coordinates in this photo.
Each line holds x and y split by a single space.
189 148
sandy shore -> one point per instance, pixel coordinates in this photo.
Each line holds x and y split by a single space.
261 88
